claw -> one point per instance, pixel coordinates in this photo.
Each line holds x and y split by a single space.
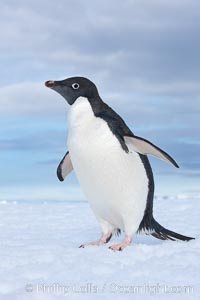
121 246
104 239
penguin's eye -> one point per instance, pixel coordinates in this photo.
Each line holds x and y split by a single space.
75 86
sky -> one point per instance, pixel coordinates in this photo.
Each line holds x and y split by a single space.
142 55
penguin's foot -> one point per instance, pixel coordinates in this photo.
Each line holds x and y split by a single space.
103 240
119 247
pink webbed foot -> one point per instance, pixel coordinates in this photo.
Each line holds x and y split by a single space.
104 239
119 247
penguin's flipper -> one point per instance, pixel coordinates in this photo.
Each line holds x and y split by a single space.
65 167
143 146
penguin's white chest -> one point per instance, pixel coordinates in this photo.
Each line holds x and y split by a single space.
115 182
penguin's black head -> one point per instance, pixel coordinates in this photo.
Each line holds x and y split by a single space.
74 87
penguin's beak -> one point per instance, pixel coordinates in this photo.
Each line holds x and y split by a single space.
61 88
50 84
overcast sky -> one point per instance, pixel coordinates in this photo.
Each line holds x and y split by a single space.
144 58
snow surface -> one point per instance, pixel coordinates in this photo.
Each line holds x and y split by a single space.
40 258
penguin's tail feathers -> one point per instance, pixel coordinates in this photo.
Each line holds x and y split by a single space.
159 232
164 234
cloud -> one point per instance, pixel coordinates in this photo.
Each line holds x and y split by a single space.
143 56
145 46
29 98
42 193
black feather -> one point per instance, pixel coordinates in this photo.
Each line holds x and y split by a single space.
159 232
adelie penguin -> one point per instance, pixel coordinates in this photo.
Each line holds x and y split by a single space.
111 165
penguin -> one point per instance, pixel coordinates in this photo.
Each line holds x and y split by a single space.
111 165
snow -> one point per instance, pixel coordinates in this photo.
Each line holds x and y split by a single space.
40 258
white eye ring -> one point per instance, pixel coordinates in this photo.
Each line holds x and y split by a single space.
75 86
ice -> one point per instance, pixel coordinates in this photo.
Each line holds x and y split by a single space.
40 258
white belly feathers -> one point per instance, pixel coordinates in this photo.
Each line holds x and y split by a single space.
115 183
